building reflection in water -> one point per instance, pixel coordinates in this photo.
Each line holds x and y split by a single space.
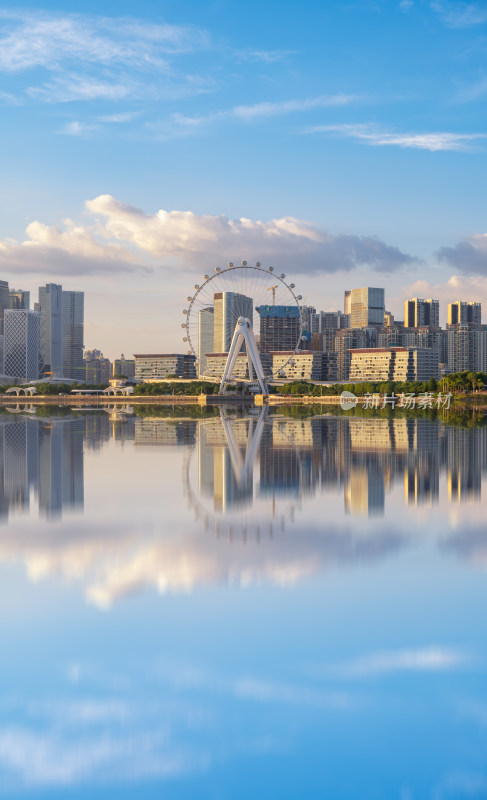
258 478
249 457
466 451
364 458
43 457
220 477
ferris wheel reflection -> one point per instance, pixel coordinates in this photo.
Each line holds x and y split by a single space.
228 477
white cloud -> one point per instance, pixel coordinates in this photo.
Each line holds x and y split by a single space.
429 659
472 92
63 758
271 692
68 88
206 239
90 58
39 39
249 113
458 784
470 544
76 128
70 250
290 106
127 116
122 238
469 256
439 141
10 99
266 56
460 14
116 561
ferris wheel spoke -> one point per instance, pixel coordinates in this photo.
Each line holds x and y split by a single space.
251 286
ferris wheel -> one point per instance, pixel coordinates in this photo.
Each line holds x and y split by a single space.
243 303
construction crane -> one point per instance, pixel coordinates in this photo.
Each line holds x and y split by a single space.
273 290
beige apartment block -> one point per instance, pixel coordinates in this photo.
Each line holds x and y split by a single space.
393 364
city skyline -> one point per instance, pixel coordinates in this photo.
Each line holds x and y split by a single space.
49 339
71 326
254 133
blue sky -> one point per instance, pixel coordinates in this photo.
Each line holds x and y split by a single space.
343 142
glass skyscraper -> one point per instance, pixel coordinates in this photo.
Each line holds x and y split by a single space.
228 307
367 307
4 301
50 307
19 299
21 344
73 326
206 336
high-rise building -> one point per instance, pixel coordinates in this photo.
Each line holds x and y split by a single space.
347 303
327 341
21 344
279 328
432 337
367 307
73 325
311 319
228 307
460 313
50 306
206 336
98 369
396 336
124 367
18 299
466 348
419 312
333 321
4 301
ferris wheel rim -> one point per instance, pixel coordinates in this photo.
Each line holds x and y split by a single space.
195 497
219 271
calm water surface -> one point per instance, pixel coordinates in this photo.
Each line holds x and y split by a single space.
242 606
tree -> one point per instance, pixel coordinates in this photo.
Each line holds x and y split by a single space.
471 378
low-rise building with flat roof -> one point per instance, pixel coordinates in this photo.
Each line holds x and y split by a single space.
393 364
164 365
306 365
215 365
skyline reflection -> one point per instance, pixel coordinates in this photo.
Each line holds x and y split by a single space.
294 458
43 457
293 497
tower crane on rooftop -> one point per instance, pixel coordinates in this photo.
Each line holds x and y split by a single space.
273 290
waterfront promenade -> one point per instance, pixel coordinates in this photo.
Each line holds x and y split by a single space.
166 399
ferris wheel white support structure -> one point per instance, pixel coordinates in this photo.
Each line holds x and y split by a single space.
244 333
243 469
